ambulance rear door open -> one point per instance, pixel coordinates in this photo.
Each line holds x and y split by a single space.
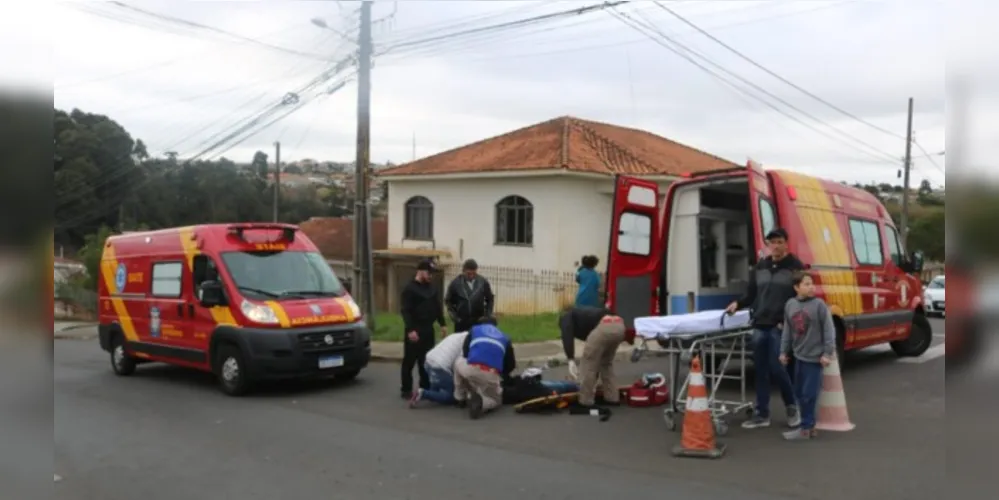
635 253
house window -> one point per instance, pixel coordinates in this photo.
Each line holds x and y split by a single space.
866 242
419 219
167 278
514 221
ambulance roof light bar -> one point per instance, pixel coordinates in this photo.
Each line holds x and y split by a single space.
287 230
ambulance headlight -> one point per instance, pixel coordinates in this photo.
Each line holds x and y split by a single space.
355 310
258 313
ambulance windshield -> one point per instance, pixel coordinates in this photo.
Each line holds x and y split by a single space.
282 275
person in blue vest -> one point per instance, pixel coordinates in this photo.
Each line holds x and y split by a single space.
488 360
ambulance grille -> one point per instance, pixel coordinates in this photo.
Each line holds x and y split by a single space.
316 342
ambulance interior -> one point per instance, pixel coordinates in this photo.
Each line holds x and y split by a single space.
709 244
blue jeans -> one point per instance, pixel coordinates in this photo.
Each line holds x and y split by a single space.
441 388
807 384
766 361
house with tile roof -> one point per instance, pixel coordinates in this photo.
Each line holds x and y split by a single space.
535 198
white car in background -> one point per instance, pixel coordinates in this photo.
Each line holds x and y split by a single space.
933 297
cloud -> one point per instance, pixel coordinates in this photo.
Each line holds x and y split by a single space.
865 57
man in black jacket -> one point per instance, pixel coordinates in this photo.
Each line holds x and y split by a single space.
421 308
469 297
768 291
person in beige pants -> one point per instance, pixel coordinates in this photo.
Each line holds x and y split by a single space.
597 364
477 380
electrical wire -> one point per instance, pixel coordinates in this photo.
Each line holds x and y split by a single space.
675 47
774 74
158 65
718 27
176 21
501 26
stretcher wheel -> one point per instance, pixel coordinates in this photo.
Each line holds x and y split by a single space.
721 428
668 416
750 412
636 355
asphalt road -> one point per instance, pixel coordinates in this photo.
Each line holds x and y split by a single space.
168 433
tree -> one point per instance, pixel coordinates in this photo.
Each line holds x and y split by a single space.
90 256
95 172
259 164
925 188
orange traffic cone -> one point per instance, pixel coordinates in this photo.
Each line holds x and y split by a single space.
832 414
698 439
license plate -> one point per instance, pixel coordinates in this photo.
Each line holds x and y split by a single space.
330 362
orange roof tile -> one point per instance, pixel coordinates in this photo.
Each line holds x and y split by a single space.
572 144
334 236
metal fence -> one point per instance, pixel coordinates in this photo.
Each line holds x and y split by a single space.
525 291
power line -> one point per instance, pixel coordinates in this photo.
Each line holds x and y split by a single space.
505 25
645 39
673 45
773 74
195 25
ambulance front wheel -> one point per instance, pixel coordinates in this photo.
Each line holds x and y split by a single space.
121 362
231 371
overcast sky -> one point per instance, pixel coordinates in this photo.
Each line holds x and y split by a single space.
175 87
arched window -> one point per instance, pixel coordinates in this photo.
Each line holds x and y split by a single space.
419 218
514 221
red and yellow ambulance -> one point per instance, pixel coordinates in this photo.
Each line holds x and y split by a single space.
246 302
694 248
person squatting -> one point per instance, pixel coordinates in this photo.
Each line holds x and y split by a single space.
487 361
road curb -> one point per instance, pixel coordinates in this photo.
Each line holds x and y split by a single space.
65 336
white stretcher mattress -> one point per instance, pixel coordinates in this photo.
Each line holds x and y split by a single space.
690 324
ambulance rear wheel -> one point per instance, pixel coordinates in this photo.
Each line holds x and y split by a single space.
919 339
121 362
231 371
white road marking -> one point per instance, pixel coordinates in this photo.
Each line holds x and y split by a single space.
930 354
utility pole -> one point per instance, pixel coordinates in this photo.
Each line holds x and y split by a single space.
905 178
362 226
277 178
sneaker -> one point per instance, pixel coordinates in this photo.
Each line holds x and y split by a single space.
475 406
798 435
757 422
793 416
415 398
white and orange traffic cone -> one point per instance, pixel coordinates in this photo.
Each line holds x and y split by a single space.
698 438
832 414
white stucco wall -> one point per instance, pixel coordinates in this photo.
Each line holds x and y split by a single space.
571 218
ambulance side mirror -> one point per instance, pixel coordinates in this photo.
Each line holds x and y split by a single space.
917 261
211 294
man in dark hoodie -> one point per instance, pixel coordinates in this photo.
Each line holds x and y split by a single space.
421 308
469 297
770 287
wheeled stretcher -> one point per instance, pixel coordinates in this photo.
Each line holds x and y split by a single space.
719 340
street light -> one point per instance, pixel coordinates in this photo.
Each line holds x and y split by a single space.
321 23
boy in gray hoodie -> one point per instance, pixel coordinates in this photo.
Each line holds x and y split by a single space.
809 334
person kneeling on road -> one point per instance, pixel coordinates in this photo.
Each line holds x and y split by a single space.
488 361
603 332
440 368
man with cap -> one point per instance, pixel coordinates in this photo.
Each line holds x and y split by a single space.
469 297
421 308
769 289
